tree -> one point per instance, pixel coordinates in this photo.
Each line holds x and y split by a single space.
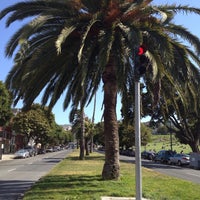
70 45
89 133
37 124
181 119
77 118
5 105
127 136
99 136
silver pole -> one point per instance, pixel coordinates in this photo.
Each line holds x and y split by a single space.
138 143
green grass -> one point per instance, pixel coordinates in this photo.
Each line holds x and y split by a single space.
81 180
160 142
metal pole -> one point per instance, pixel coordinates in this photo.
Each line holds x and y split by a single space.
138 143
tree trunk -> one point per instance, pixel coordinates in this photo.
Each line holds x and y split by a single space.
87 152
111 166
194 146
82 140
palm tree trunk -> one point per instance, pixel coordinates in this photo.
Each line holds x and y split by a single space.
87 152
111 166
82 140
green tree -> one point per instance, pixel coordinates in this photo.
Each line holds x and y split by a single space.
162 130
99 136
5 105
33 125
70 45
89 133
127 135
146 133
181 119
38 124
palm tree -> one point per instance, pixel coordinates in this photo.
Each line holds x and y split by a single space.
74 44
77 118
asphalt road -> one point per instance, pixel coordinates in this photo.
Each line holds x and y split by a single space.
183 172
18 175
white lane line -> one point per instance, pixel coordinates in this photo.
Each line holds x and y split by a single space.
10 170
193 174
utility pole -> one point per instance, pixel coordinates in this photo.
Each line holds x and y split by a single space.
138 170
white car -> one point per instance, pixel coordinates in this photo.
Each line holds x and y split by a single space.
180 159
22 153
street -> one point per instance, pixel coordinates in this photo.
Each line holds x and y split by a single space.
18 175
184 172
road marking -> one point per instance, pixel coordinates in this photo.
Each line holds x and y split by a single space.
10 170
193 174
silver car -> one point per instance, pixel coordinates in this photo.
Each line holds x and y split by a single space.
22 153
180 159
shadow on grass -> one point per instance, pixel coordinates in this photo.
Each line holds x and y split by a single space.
86 158
69 185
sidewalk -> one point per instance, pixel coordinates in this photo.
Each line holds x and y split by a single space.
7 157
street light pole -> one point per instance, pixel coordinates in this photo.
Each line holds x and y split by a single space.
138 142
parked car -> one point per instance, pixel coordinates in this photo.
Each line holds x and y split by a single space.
163 156
41 151
22 153
149 155
49 149
180 159
127 152
56 148
32 150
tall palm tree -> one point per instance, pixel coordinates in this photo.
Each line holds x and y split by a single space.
73 44
77 118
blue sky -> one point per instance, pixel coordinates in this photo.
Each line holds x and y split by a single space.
189 21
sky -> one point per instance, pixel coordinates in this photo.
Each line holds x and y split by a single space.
62 117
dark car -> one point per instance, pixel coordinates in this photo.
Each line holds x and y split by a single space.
149 155
163 156
41 151
32 151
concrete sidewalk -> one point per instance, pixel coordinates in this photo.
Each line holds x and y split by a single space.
7 156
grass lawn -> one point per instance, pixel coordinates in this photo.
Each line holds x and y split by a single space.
81 180
159 142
